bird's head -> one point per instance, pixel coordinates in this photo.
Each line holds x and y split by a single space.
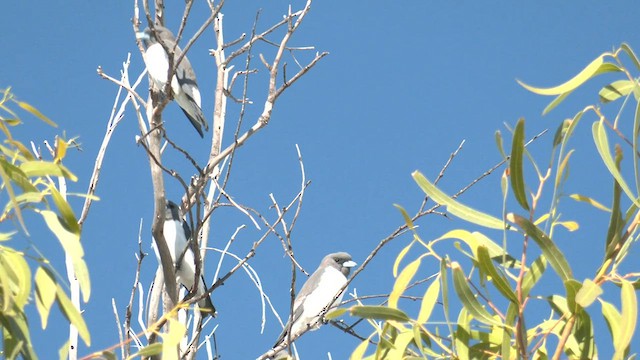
172 211
340 260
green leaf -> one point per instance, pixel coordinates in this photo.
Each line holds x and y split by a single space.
149 350
20 274
475 239
429 300
6 180
588 293
400 257
402 281
46 168
72 314
629 317
551 252
468 299
498 280
602 144
36 113
597 66
613 319
405 216
46 288
561 168
615 90
589 201
455 208
378 313
172 338
73 248
516 166
552 105
626 48
400 345
498 138
360 350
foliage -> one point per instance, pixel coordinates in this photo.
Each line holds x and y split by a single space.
28 185
495 315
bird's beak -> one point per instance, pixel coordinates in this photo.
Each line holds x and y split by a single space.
349 264
142 36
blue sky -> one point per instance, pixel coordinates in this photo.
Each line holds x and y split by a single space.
404 84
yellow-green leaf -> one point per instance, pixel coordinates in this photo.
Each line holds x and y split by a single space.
588 293
516 165
615 90
378 313
46 168
401 255
73 315
498 280
549 249
587 73
602 144
589 201
402 281
45 294
429 300
455 208
629 317
468 298
36 113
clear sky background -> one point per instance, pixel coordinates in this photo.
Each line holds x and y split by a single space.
404 84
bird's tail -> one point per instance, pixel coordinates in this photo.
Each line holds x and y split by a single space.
196 117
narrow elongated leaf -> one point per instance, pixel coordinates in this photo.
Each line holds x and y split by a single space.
20 274
516 165
149 350
36 113
549 249
45 294
46 168
552 105
588 293
468 299
613 319
378 313
172 339
360 350
455 208
589 201
597 66
629 317
497 279
400 345
626 48
71 244
399 258
602 144
561 168
402 281
73 315
498 137
429 300
615 90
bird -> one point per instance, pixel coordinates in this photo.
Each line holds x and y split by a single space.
183 84
177 234
316 294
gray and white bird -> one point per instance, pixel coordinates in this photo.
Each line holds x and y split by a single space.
177 234
316 293
183 84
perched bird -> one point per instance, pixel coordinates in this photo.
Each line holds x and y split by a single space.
183 84
177 234
316 293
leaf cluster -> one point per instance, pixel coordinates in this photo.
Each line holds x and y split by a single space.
492 299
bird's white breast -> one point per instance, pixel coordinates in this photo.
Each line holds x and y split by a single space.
330 283
157 63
